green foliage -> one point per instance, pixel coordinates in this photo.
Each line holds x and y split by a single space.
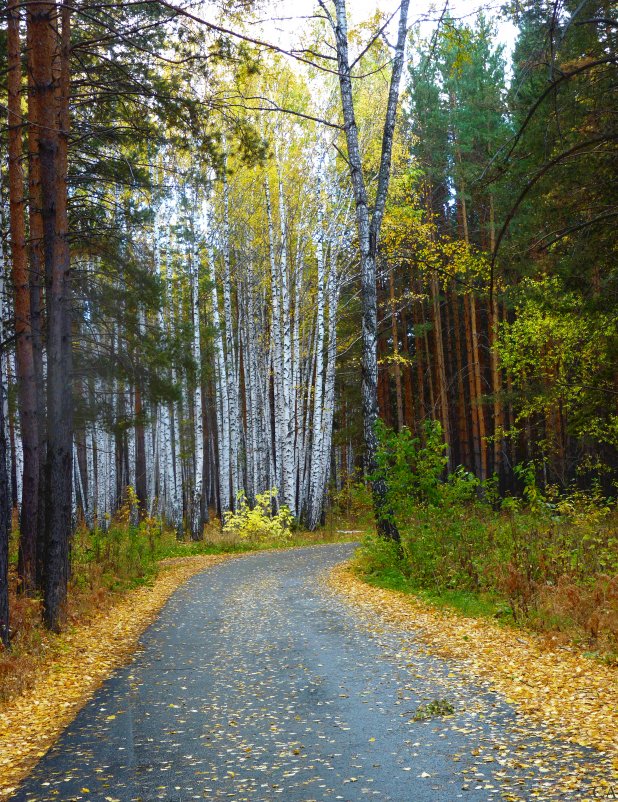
552 557
122 555
539 159
258 523
412 473
380 558
435 709
564 358
352 506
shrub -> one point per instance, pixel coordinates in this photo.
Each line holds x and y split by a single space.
553 556
379 557
412 472
258 524
353 505
124 553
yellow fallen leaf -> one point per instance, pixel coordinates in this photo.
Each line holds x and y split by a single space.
31 722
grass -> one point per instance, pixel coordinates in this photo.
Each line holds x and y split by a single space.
546 560
575 611
468 603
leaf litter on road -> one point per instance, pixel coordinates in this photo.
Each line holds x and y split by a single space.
31 722
559 696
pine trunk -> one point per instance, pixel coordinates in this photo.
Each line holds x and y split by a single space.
53 155
396 362
37 280
478 384
442 386
410 413
474 406
465 457
418 359
26 377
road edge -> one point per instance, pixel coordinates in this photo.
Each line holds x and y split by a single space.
31 723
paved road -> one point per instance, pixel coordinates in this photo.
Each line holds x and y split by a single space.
257 683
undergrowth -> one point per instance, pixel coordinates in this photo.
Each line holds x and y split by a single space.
547 561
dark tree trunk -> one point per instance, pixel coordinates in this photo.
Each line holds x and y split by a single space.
12 445
204 512
474 405
36 264
397 363
141 488
465 457
410 412
441 382
26 381
429 363
418 359
53 145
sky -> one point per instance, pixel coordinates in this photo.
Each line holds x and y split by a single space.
283 20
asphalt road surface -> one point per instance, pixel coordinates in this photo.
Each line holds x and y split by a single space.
258 683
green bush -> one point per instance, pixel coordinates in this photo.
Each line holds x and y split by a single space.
123 554
552 556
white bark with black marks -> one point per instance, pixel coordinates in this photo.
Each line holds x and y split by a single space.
369 223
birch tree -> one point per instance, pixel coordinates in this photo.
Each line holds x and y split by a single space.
368 223
221 382
199 508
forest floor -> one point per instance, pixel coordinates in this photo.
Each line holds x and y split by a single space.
263 680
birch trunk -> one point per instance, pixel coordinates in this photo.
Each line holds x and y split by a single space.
198 503
288 490
324 457
368 228
141 469
221 391
276 346
317 431
230 354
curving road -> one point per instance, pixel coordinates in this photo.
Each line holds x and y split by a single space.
257 683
